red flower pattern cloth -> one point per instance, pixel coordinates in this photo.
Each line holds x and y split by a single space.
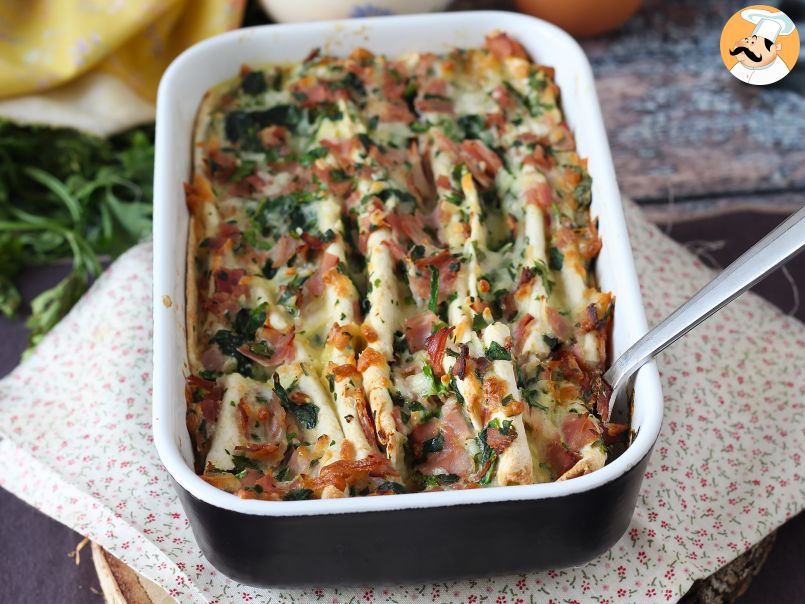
75 421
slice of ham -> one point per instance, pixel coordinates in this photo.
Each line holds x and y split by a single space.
503 47
540 159
283 250
393 107
460 367
212 395
454 457
221 165
339 188
315 285
213 359
269 488
417 329
311 242
397 250
227 231
442 261
409 226
341 149
520 333
579 430
317 92
247 186
365 419
559 458
282 345
434 97
502 96
481 161
273 136
420 175
540 195
560 326
436 344
227 281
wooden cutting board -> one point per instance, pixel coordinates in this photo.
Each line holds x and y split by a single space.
121 585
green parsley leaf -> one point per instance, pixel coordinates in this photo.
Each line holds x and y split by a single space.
433 302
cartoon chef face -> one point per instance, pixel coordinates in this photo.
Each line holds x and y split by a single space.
755 51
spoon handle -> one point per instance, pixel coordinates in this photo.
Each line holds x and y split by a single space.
774 249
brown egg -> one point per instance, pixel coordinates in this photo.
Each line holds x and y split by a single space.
581 18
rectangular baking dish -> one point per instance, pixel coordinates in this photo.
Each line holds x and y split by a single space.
410 537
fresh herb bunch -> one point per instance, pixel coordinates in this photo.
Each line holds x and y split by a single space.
65 194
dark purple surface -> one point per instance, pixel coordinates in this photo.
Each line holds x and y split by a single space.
35 567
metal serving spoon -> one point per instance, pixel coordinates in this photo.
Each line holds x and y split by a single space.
783 243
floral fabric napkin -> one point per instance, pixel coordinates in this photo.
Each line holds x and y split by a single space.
727 469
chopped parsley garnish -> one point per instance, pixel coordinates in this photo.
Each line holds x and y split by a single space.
437 387
542 270
532 398
309 157
244 169
433 302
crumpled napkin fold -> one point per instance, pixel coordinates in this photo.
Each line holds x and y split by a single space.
726 470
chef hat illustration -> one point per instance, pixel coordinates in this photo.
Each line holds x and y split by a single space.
768 25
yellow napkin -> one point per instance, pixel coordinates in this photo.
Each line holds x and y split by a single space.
60 53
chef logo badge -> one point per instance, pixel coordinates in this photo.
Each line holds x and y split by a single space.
760 45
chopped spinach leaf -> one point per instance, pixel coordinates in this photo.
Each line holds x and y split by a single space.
552 342
388 486
253 83
472 125
496 352
307 414
298 495
437 480
478 322
556 259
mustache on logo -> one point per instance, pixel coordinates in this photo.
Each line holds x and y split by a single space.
742 49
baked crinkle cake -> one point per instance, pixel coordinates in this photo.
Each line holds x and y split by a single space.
389 279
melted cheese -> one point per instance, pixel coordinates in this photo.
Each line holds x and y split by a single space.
315 162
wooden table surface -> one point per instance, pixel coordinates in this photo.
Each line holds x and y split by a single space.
721 160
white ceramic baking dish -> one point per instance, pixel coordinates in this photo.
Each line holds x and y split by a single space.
557 523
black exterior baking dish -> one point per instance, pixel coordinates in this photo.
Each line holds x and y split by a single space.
372 539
